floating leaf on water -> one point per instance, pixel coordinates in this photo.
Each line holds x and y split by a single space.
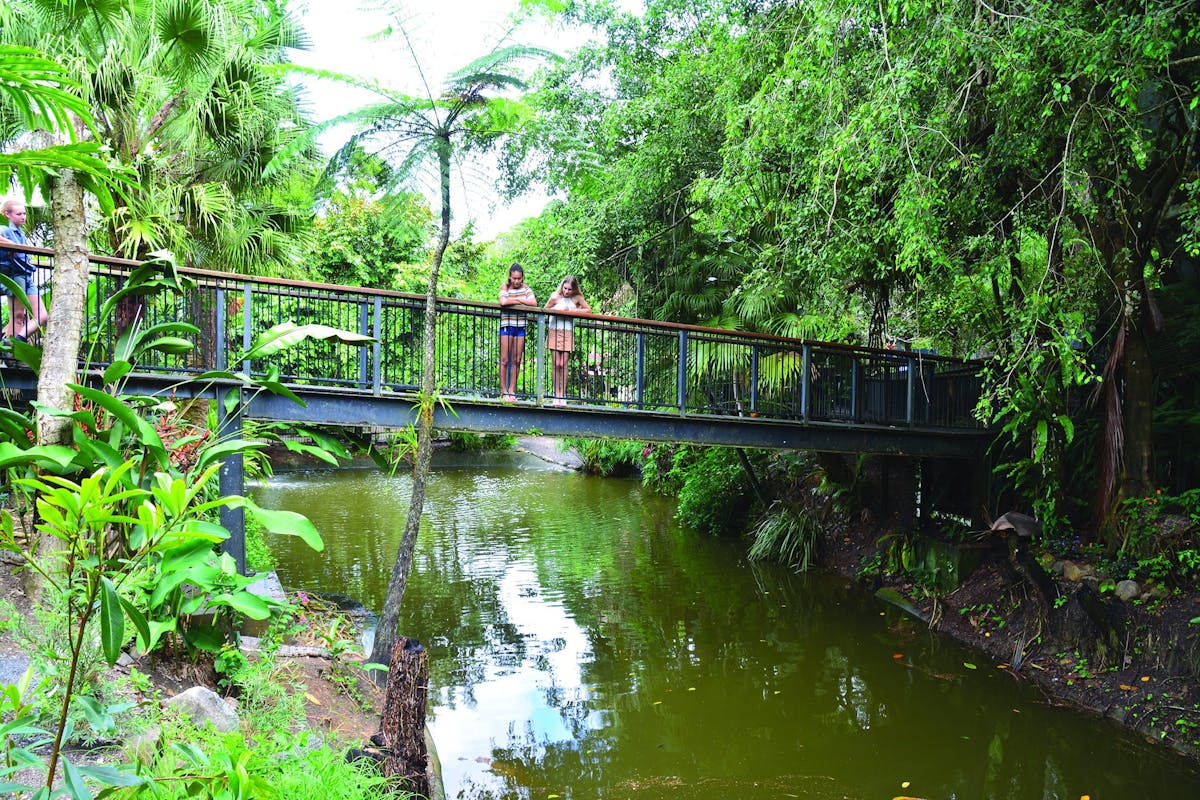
1127 688
691 688
658 702
1145 679
905 784
969 665
897 655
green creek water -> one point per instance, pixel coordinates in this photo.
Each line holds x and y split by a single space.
583 646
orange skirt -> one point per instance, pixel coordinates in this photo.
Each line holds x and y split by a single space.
560 340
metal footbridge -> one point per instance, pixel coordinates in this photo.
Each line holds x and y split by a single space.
628 378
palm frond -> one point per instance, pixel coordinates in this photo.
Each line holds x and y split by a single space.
39 90
186 29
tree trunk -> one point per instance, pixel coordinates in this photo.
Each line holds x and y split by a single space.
60 342
60 350
403 720
1138 413
389 617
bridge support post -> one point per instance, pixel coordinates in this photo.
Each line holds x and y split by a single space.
232 477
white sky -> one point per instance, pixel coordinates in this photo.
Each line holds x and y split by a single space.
447 35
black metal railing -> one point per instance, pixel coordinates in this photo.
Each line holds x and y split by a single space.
618 363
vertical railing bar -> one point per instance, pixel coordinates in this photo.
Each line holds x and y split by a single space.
247 323
539 374
855 387
640 370
805 380
364 363
377 348
754 379
910 387
219 321
681 375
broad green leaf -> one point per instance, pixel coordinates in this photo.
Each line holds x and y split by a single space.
139 622
50 455
14 425
232 401
288 334
116 371
1067 426
13 788
1041 439
329 443
171 345
157 629
287 523
136 339
280 389
208 638
222 375
249 604
115 406
21 726
112 622
227 448
315 452
92 710
74 781
113 776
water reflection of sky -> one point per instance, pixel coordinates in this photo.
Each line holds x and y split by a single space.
514 700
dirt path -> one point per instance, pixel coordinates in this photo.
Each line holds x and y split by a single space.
550 450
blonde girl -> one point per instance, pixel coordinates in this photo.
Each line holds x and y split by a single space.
560 337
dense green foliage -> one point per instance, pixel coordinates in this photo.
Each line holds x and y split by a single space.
609 457
714 490
182 98
1018 182
122 528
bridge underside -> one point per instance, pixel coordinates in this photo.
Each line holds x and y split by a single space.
488 416
360 409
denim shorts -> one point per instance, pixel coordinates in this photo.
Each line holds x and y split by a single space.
511 330
32 283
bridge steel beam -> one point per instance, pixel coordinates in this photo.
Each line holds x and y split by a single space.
727 431
361 409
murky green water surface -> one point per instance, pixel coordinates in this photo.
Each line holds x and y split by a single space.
582 646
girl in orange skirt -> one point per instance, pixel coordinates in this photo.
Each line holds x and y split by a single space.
560 335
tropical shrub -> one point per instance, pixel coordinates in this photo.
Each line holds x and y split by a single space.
715 493
124 540
609 457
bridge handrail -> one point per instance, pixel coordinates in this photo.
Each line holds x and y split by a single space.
628 363
299 285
